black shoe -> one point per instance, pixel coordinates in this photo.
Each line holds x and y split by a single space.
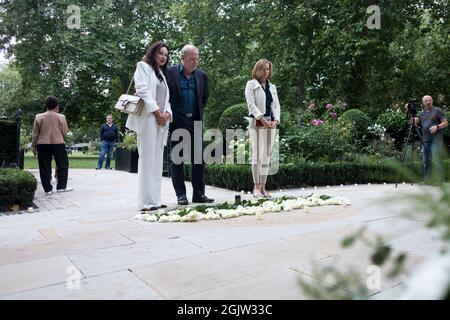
163 206
182 200
202 199
149 209
98 168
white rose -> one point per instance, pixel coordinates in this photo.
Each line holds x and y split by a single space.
192 216
139 216
174 218
150 218
163 219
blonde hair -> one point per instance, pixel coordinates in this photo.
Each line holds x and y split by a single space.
258 69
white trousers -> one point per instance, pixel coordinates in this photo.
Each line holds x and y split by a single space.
262 140
150 143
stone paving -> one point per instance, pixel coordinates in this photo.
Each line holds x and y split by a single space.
91 232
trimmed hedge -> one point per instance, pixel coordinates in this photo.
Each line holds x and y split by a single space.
239 177
16 187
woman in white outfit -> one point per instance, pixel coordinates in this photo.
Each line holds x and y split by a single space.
264 112
150 126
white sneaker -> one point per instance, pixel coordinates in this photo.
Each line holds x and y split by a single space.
64 190
49 193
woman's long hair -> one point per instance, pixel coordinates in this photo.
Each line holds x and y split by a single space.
150 58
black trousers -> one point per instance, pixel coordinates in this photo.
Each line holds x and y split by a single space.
45 154
196 157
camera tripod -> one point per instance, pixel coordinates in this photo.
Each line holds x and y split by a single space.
413 132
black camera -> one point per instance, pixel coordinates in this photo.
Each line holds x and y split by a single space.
412 107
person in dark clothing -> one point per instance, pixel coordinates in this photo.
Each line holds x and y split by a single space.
188 88
108 137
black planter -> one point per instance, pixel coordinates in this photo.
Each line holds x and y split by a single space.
21 158
126 160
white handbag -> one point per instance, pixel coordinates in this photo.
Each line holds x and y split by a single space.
129 103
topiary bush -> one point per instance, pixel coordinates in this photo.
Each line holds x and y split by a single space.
354 123
17 187
234 118
396 126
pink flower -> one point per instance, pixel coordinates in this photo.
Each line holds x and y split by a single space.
333 114
329 106
317 122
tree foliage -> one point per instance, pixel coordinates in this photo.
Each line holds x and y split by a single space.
322 50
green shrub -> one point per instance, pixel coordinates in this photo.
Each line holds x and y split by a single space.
234 118
318 143
129 141
16 187
396 126
354 122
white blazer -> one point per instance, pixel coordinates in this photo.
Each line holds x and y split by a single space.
145 81
256 101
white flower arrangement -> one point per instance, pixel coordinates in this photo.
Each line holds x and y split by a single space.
252 207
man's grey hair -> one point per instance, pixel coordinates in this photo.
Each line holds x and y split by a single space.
188 48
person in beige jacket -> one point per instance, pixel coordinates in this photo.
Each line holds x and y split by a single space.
264 115
48 134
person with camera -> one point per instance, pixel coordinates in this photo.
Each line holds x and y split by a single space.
433 122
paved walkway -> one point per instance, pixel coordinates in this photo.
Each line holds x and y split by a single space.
90 232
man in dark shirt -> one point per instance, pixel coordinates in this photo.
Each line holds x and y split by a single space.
433 122
188 87
108 137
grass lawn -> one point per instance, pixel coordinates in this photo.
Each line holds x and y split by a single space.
77 160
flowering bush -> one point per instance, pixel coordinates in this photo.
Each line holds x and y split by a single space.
378 131
317 122
354 123
396 125
319 143
239 151
318 115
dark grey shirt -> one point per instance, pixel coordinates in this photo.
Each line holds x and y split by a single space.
429 119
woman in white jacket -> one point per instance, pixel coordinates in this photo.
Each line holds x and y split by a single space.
150 126
264 113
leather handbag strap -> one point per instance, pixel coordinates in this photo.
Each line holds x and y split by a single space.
131 83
